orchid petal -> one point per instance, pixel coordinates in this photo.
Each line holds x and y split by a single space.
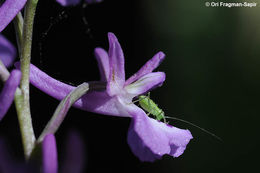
150 139
117 69
9 10
102 103
147 68
68 2
74 156
98 102
7 94
7 51
103 63
49 154
146 83
48 84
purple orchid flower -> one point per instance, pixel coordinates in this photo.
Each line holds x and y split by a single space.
10 8
149 139
49 159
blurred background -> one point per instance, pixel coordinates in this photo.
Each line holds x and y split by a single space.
212 68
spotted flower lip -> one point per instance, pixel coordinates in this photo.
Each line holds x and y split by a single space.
149 139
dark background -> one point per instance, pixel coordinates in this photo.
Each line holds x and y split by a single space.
212 67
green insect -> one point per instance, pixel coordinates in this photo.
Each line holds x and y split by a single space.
152 108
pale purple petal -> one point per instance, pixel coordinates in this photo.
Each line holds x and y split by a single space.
7 94
150 139
103 63
49 154
145 83
102 103
7 51
98 102
117 66
9 10
74 161
147 68
48 84
68 2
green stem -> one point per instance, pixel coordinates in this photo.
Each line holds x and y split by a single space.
64 106
18 24
22 101
62 110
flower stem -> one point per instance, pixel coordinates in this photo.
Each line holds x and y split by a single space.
18 24
62 110
22 101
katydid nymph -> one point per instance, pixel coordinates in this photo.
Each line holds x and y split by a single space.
152 108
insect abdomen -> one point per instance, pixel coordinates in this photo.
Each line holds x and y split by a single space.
148 105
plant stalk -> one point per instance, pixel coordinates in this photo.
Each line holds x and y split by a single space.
22 99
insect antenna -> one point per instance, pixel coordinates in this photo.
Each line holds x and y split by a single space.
194 125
